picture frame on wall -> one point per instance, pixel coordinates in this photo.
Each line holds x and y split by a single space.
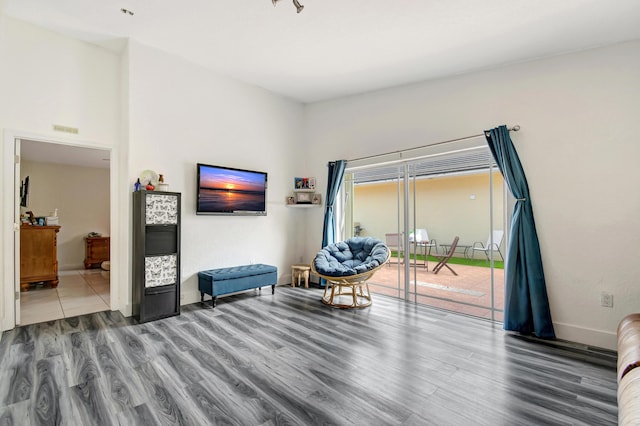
304 183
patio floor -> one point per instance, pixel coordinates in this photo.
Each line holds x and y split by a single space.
444 290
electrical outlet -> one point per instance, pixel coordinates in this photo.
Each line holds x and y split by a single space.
606 299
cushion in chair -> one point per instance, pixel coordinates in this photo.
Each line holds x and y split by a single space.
351 257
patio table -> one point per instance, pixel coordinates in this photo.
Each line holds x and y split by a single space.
465 248
426 250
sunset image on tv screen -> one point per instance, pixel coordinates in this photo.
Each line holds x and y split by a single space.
223 190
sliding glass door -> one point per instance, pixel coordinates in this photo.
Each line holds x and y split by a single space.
419 207
376 208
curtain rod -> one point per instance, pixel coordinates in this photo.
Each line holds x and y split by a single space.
512 129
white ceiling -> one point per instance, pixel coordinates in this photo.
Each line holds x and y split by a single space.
337 47
333 48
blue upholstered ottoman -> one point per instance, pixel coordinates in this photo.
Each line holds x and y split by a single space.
221 281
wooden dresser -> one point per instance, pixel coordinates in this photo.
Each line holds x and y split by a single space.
96 251
38 255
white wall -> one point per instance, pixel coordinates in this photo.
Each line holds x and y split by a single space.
47 79
81 195
579 147
155 111
182 114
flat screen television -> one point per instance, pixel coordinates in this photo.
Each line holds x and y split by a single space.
24 192
229 191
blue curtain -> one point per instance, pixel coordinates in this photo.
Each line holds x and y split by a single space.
526 307
334 180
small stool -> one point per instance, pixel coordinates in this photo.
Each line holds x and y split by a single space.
298 272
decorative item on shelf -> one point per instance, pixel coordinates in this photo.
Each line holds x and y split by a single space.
149 178
303 198
296 3
304 184
162 186
291 200
317 199
137 186
52 220
32 218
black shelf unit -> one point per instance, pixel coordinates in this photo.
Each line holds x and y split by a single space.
156 255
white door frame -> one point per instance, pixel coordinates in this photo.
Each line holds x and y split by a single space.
10 196
16 224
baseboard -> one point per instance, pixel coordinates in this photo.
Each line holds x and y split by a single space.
127 311
587 336
189 297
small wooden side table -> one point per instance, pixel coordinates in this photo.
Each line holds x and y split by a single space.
299 272
97 250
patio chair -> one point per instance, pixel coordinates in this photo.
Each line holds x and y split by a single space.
395 243
489 246
348 265
443 259
421 240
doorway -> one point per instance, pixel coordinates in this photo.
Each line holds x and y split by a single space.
418 207
68 186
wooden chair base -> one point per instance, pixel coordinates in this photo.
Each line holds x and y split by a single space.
359 298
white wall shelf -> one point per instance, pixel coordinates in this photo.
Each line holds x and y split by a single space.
304 198
303 206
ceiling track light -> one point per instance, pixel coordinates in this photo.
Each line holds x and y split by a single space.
296 3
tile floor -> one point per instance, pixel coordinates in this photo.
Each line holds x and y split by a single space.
472 286
79 292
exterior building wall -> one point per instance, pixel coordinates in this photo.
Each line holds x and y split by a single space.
446 206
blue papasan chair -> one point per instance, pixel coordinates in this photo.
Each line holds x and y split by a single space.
347 266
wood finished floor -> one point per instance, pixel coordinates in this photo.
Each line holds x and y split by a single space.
258 359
